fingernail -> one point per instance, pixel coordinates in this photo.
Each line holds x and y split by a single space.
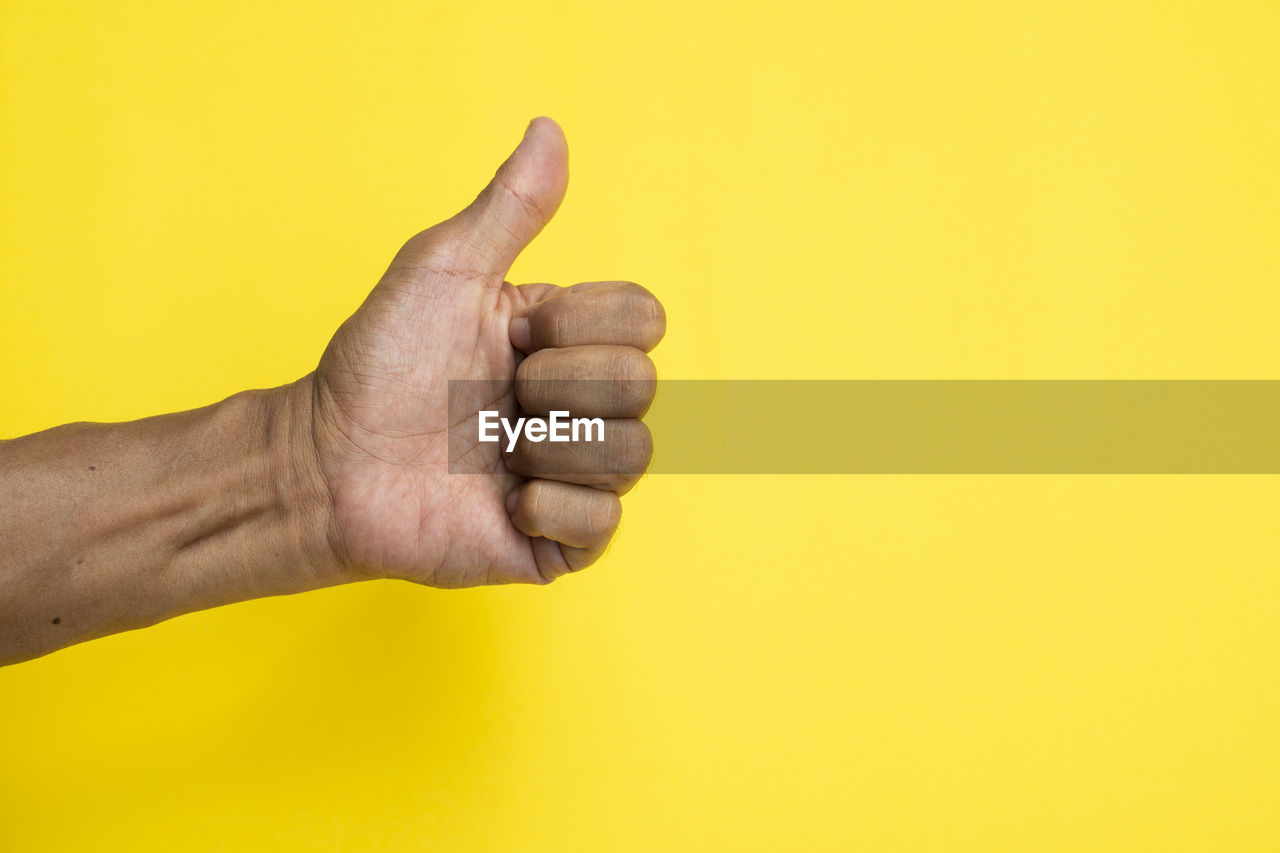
521 337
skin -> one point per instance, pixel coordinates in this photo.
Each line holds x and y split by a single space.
345 474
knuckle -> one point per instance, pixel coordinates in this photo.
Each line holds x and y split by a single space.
531 367
527 509
630 363
609 515
536 387
561 327
635 449
576 560
636 378
647 316
549 324
523 517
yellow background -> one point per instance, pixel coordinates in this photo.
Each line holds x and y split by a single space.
193 196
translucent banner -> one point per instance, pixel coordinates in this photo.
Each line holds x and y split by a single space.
903 426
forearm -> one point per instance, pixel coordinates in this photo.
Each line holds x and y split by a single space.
108 527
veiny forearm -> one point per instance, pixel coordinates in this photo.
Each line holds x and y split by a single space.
108 527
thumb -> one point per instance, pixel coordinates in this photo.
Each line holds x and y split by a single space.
518 202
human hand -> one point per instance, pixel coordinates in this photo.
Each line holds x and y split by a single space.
443 311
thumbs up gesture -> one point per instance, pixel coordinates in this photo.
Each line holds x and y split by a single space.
379 400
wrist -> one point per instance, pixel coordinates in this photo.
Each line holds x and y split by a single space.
304 494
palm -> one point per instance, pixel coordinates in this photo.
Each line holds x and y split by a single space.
441 312
382 434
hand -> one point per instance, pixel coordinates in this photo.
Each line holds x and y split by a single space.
442 311
346 474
